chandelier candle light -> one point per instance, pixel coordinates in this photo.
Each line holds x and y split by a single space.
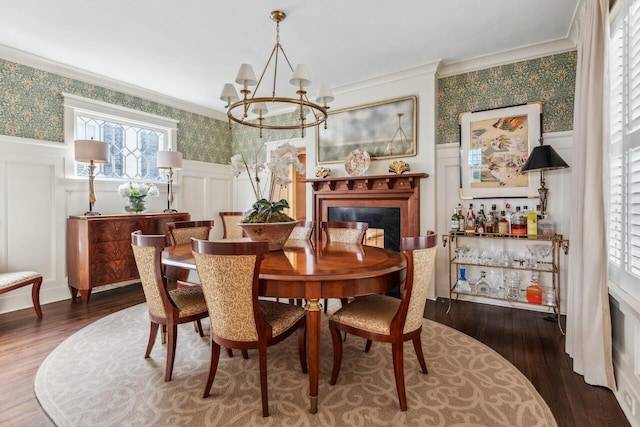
170 160
238 109
92 152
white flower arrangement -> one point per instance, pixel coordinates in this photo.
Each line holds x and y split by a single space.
136 193
266 209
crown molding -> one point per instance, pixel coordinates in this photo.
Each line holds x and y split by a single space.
30 60
508 57
420 70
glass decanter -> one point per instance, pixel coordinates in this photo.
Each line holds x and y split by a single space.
462 285
483 287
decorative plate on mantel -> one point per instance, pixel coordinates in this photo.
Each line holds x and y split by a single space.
357 162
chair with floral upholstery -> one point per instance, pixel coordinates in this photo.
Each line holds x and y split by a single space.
387 319
166 308
230 227
302 231
343 232
229 276
17 279
181 232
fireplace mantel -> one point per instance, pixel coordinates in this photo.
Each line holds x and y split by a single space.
397 191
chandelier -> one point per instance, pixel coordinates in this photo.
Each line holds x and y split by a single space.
238 109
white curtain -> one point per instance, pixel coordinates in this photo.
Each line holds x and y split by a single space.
588 339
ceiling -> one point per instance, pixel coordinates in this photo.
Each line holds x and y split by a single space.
187 49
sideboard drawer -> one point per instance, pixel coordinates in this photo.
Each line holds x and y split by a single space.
111 251
107 231
114 271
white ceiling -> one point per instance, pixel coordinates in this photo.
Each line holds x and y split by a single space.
187 49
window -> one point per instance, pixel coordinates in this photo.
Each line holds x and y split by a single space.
624 138
134 138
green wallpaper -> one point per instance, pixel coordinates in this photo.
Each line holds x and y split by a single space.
31 106
550 79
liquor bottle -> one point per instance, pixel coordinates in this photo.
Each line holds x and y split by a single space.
503 224
532 224
518 222
496 217
470 226
507 214
545 226
480 220
483 287
489 226
455 221
461 219
462 285
534 291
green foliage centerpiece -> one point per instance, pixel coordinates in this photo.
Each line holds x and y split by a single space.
265 210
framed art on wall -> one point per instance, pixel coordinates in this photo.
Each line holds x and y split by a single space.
383 129
494 145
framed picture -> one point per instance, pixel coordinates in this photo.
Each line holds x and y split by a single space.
384 129
494 145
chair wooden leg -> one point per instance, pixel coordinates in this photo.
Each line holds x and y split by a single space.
326 304
163 334
35 296
245 354
153 333
213 368
171 351
336 337
367 346
398 370
198 325
417 346
229 352
262 355
302 347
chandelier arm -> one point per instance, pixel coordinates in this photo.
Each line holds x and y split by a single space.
264 70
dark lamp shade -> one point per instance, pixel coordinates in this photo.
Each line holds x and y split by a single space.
87 150
543 158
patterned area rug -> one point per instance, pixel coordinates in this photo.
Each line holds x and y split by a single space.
99 377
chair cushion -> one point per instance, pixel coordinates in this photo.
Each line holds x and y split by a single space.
280 316
371 313
8 279
190 300
345 235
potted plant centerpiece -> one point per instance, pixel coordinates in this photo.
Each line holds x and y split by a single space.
266 221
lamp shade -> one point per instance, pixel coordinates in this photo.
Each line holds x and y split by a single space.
87 150
260 108
542 158
229 93
300 76
169 159
246 76
325 96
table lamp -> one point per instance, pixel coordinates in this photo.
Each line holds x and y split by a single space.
170 160
543 158
92 152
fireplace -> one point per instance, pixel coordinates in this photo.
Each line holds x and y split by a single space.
387 202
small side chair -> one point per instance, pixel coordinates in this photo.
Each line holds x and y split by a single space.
388 319
231 229
181 232
18 279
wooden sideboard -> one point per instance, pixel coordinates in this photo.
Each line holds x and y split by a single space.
99 248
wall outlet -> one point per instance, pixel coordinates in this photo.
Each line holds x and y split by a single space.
630 401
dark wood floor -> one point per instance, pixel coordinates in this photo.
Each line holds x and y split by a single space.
534 345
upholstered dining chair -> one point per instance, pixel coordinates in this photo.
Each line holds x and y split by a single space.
17 279
181 232
230 227
343 232
303 231
166 308
388 319
229 276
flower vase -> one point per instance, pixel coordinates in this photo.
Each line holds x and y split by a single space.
275 233
135 204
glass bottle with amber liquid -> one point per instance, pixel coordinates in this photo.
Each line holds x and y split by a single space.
519 222
470 226
503 224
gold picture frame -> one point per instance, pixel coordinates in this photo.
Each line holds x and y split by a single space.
384 129
494 145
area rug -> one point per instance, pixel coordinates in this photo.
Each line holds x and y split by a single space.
99 377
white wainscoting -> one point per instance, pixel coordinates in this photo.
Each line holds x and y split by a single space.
36 198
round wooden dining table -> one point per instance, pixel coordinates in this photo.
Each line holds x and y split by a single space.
313 271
